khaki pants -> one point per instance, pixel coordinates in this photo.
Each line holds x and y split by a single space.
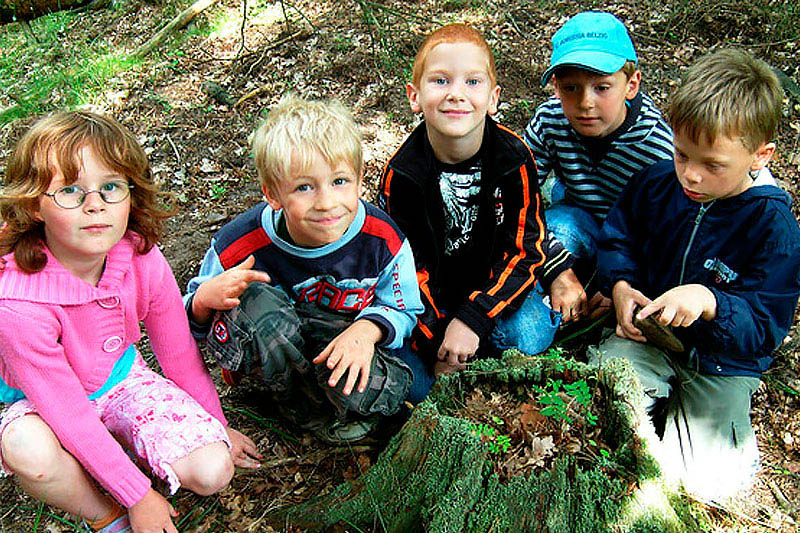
702 421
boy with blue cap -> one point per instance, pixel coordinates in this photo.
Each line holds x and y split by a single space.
595 133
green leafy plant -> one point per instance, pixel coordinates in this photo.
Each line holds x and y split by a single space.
496 442
552 397
218 191
560 363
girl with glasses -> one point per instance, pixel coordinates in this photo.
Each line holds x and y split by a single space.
81 220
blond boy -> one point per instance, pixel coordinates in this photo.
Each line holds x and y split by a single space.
314 288
709 245
464 191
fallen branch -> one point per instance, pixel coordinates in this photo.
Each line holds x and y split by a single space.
315 457
263 54
176 24
726 509
783 502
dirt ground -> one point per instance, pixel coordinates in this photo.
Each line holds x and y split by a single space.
360 52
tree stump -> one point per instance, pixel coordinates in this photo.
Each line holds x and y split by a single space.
437 474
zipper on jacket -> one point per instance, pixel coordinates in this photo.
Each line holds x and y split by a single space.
697 219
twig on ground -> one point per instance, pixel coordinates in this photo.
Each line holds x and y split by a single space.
176 24
241 29
510 16
271 46
395 12
174 149
728 510
783 502
303 16
781 385
314 457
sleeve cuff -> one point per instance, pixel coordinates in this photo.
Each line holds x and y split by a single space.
553 268
471 315
386 328
199 331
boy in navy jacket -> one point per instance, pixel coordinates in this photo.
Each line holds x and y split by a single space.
709 246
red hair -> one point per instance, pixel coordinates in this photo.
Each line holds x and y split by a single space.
452 33
56 141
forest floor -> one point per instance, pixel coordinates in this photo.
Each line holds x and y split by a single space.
360 51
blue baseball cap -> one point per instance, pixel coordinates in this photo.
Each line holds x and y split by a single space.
593 40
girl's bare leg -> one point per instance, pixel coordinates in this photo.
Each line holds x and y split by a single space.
48 472
206 470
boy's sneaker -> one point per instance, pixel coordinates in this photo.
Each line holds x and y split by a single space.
349 430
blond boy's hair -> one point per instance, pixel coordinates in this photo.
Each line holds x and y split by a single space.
296 130
452 33
728 93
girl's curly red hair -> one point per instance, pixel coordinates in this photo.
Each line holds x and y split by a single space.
54 142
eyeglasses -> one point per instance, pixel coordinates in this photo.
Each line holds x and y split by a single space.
72 196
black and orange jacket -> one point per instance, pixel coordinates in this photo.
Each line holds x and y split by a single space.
496 273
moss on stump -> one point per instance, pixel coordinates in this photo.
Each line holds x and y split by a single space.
436 475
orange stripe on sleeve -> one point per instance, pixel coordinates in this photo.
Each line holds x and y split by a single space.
497 309
422 281
518 239
424 329
387 183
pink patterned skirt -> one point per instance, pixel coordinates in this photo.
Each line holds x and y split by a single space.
152 417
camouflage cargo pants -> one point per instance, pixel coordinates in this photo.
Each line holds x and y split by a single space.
270 336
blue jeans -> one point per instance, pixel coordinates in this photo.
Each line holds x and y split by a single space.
577 230
423 374
533 326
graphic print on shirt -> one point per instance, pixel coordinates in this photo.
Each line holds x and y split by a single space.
347 295
460 194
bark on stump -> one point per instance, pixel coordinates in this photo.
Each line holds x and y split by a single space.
436 475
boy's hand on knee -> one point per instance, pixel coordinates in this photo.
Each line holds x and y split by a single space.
243 450
152 514
222 292
459 343
351 351
567 296
681 306
626 298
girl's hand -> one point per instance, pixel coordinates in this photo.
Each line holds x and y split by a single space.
152 514
243 450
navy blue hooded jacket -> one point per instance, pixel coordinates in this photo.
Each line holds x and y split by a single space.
745 249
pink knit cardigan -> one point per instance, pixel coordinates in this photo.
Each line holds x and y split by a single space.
60 338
